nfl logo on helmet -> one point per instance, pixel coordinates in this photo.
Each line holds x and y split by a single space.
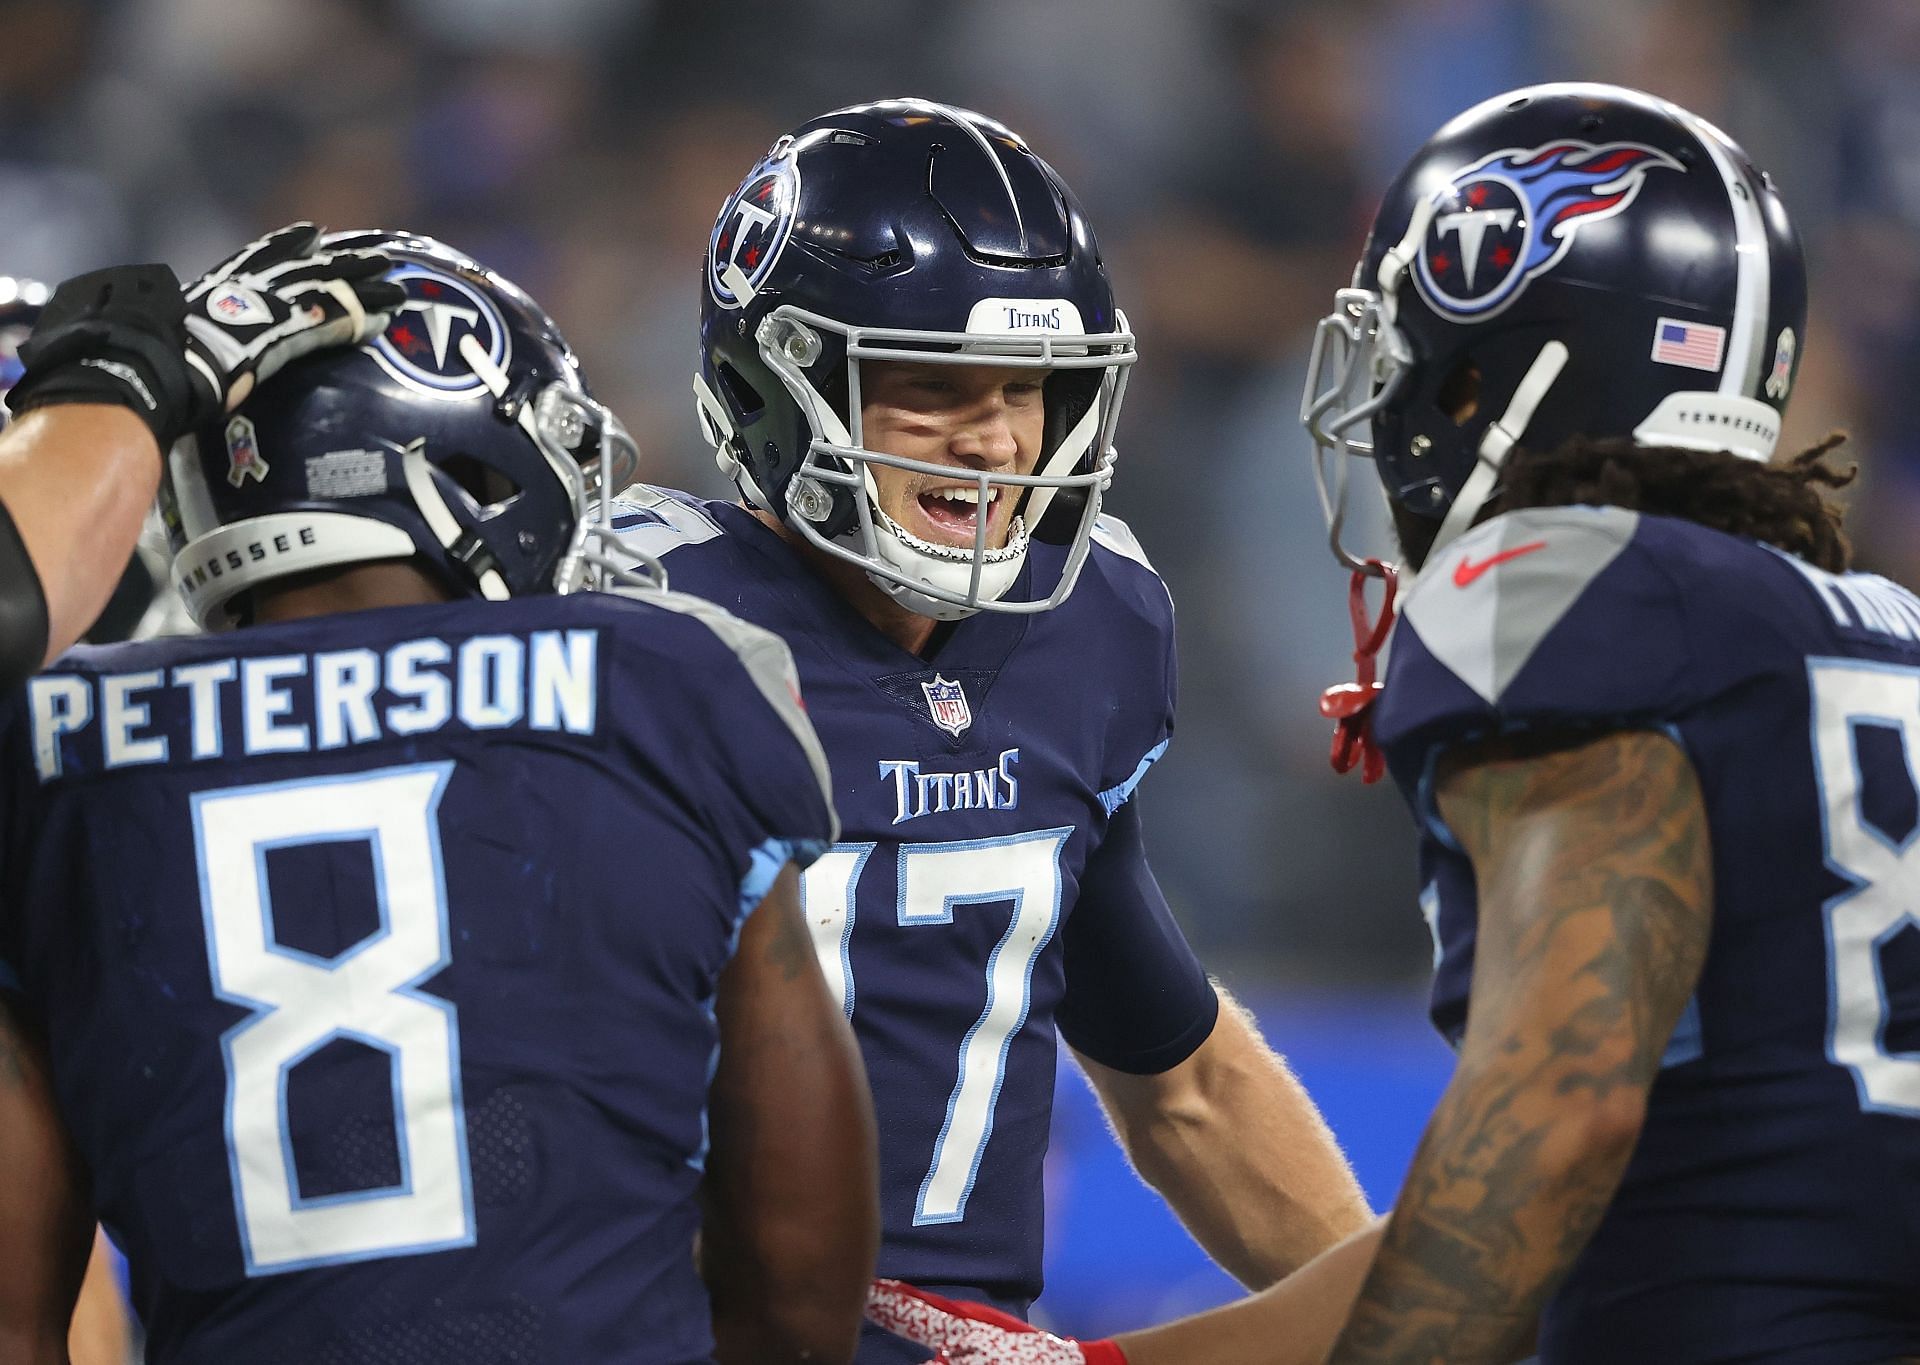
947 704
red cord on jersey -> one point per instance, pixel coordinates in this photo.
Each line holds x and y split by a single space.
973 1334
1350 705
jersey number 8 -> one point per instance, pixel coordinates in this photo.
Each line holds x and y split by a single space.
1883 867
366 993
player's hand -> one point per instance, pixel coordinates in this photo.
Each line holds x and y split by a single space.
276 300
974 1334
129 335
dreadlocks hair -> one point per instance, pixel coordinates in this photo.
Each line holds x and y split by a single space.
1781 503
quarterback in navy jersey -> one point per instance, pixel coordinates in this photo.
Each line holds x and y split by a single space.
911 366
376 959
1662 750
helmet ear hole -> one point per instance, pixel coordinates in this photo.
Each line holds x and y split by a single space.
483 483
742 397
1459 393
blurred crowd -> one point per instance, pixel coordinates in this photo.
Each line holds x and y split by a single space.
1229 153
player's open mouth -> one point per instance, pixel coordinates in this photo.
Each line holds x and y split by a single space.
954 513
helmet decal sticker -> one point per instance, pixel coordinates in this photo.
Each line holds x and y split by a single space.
1780 378
421 346
752 229
1512 216
1696 345
243 453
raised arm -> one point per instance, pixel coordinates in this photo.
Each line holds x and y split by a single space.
46 1228
75 484
122 363
792 1190
1596 901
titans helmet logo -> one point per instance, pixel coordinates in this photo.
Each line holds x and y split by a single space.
751 230
422 344
1511 217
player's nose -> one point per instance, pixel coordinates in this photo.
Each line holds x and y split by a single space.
987 439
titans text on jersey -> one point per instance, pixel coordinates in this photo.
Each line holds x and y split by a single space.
1772 1207
382 948
989 882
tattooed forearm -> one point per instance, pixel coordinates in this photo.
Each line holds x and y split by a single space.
1595 884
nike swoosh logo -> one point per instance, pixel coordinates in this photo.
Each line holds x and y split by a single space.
1466 570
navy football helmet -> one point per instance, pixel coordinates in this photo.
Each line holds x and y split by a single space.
463 436
1564 259
907 230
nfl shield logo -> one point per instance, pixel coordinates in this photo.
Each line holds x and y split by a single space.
947 704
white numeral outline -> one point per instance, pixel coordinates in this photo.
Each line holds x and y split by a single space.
827 905
933 879
300 1002
1884 892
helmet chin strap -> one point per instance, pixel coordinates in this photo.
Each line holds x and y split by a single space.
1498 442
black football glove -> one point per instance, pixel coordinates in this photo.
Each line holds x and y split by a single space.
129 334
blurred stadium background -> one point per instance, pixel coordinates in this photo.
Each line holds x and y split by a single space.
1228 152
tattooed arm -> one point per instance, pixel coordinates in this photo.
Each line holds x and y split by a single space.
1595 891
46 1227
792 1213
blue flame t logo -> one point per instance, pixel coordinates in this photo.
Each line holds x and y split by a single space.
1511 216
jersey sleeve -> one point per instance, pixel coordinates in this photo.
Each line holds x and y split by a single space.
1545 618
1137 999
764 785
1142 618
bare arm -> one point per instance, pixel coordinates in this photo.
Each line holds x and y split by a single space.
793 1222
45 1226
1236 1147
1596 899
1292 1323
77 479
98 1334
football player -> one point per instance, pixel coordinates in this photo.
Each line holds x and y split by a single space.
122 363
911 366
380 953
1662 749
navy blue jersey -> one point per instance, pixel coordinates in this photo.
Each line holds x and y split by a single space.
376 955
990 879
1771 1211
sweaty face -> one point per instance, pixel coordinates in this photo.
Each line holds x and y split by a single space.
971 418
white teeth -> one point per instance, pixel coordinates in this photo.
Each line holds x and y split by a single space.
968 495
